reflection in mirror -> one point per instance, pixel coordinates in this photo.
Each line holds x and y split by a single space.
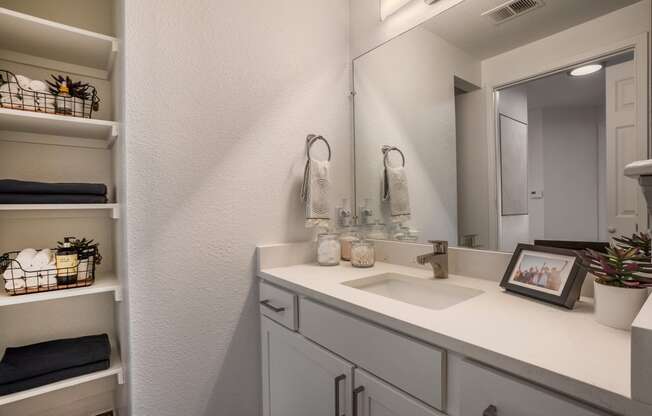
465 132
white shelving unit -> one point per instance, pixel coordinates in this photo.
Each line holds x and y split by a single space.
113 209
115 370
44 44
104 283
31 36
57 125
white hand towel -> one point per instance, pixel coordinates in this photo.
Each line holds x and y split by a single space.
315 193
395 190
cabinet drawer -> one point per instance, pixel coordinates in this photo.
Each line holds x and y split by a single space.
412 366
485 391
278 305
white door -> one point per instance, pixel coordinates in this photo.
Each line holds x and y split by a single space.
626 209
373 397
300 378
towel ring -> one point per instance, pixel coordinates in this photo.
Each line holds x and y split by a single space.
311 139
386 149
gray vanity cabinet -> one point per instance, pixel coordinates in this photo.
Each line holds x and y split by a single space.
488 392
373 397
300 378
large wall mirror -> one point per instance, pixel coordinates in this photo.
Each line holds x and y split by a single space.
497 123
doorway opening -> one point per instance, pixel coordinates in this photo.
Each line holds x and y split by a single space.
562 143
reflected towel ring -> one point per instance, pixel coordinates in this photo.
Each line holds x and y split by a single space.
386 149
311 139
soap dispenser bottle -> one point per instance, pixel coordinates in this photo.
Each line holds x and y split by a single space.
67 260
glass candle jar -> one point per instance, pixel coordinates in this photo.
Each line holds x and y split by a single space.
328 249
346 240
363 254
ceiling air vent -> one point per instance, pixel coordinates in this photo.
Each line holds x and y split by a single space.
512 9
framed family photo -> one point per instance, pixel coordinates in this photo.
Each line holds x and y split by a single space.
546 273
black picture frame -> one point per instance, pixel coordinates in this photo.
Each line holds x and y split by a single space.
570 281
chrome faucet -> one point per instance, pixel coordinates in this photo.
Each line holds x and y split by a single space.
438 258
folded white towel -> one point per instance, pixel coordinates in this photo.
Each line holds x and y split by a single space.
9 95
23 81
315 193
10 274
43 258
38 86
395 190
15 284
47 280
26 256
32 282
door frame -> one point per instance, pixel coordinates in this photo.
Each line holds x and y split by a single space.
638 44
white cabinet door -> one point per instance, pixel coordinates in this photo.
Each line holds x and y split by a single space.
373 397
487 392
300 378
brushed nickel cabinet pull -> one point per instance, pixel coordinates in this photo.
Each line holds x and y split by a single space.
268 305
490 411
338 380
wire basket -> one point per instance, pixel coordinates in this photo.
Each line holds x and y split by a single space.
18 281
15 96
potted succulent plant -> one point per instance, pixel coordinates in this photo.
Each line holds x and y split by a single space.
622 276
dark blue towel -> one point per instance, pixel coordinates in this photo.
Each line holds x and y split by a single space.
52 359
51 199
12 186
52 377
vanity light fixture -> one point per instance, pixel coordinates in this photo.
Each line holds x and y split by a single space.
389 7
586 70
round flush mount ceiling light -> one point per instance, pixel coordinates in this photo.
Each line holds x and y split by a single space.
585 70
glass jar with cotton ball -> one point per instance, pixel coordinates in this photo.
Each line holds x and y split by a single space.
329 249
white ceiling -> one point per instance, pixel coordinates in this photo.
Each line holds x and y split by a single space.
562 90
464 26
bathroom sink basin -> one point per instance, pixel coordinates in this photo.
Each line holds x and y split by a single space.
428 293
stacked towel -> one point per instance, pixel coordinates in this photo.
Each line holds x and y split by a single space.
315 193
36 365
395 190
23 192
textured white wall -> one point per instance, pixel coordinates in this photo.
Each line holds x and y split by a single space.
514 229
219 98
570 169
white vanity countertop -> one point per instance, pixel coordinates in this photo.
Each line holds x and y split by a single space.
565 350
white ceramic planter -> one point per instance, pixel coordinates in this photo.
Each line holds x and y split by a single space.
617 307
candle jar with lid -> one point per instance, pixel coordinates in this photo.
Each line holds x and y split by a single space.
363 254
328 249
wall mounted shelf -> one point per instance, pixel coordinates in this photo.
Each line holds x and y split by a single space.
104 283
114 370
113 208
29 35
56 125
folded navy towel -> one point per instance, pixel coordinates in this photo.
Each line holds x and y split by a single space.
52 377
24 363
6 198
12 186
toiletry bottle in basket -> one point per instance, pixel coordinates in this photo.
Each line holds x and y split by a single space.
67 263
